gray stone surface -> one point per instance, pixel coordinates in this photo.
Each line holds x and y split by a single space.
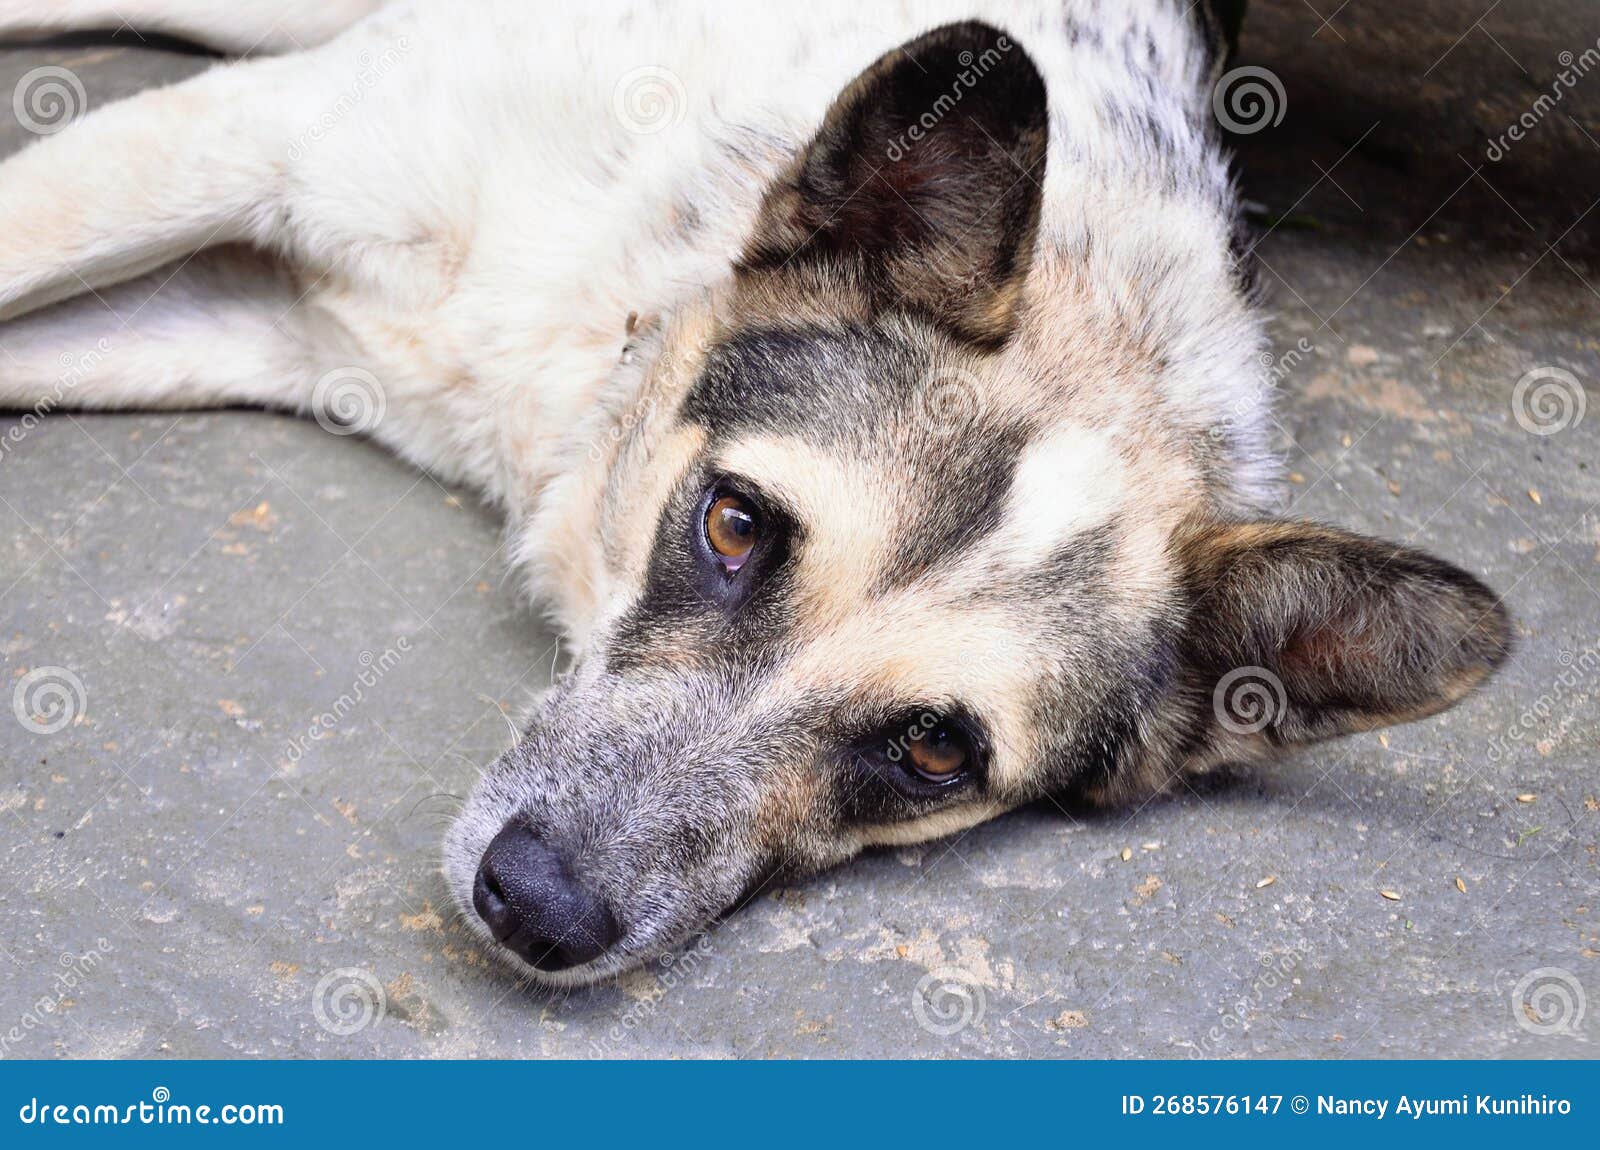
183 869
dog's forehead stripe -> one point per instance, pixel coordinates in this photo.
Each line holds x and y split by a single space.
827 384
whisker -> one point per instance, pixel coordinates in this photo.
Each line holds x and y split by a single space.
510 726
457 799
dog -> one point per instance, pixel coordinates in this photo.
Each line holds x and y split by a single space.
877 396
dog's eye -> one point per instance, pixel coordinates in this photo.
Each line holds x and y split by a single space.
940 754
731 530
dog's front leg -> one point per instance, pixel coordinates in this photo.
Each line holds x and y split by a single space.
275 232
127 275
148 180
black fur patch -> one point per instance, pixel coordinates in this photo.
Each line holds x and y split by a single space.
924 183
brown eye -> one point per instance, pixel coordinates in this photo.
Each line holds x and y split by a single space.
731 530
939 754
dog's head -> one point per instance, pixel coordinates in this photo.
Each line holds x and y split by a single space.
907 527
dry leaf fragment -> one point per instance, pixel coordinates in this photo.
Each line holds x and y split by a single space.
1526 797
1268 881
1392 896
1533 494
1127 853
1461 886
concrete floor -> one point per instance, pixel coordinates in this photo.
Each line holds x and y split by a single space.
185 875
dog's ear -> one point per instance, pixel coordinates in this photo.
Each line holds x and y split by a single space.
1297 632
923 181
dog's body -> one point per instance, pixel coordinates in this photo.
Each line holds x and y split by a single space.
849 415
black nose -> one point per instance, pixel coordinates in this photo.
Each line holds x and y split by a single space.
535 907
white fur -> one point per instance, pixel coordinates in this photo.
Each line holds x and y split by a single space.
468 199
1067 483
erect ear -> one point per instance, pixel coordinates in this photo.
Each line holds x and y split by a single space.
923 181
1298 632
